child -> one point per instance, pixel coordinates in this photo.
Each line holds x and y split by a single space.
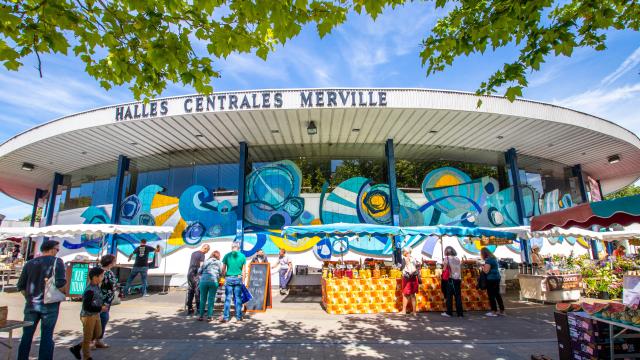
92 305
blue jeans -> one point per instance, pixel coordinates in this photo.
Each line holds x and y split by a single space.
143 275
48 314
233 287
208 291
104 319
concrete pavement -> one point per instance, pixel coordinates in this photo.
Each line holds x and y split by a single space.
297 328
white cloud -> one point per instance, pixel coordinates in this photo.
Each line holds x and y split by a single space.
59 95
627 65
600 98
241 65
618 104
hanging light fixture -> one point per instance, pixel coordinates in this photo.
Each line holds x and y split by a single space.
311 128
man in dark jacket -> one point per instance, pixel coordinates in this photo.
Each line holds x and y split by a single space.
197 258
32 282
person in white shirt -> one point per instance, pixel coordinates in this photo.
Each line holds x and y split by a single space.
452 281
286 269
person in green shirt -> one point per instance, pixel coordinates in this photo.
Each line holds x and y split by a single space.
233 265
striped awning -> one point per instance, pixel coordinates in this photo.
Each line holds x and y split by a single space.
623 211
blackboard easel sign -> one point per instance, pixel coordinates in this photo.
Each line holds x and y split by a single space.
259 285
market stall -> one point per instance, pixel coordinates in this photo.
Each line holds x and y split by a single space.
556 280
78 269
352 287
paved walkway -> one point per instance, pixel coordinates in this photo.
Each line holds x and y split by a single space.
297 328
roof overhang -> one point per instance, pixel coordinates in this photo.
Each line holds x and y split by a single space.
273 122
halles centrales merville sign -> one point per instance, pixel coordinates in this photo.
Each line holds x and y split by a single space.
251 101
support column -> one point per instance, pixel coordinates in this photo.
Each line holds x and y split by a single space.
393 193
594 249
511 159
51 204
34 211
57 181
577 172
242 169
123 167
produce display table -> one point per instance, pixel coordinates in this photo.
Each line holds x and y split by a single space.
367 296
550 288
622 334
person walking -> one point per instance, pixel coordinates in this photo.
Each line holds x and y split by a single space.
410 275
140 265
35 274
451 276
285 271
197 258
108 289
92 306
490 268
209 276
233 265
260 257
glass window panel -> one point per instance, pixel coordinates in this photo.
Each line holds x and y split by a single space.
207 176
181 178
100 193
228 177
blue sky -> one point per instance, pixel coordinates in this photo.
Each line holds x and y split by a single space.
384 53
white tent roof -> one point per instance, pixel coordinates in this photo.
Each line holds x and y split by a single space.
620 235
525 232
84 229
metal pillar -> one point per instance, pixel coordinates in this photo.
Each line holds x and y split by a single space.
393 192
34 211
511 158
594 250
57 181
123 167
242 169
51 204
577 172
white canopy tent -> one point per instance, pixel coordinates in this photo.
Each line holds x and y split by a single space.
83 229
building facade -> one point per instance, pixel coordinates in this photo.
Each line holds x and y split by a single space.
242 165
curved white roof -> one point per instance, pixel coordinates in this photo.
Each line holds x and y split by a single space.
417 120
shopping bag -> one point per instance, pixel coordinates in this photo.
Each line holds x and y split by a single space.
246 295
51 293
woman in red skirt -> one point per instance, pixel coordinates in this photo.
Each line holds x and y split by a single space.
409 280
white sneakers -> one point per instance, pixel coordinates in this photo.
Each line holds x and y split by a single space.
445 315
491 314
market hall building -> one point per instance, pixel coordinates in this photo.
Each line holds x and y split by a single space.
242 165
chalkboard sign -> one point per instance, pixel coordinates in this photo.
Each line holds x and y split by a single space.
79 274
259 285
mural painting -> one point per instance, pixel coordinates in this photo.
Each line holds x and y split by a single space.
273 200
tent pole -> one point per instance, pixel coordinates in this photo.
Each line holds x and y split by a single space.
164 274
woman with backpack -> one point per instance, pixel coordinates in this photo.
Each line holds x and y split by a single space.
452 280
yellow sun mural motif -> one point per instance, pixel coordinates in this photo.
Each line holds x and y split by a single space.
447 180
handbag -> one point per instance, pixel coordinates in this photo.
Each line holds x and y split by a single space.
51 293
482 281
446 273
246 295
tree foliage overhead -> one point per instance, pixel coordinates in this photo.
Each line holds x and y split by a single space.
629 190
147 44
538 29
